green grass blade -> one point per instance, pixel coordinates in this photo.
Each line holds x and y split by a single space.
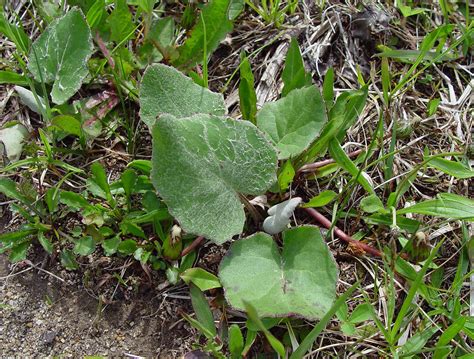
407 303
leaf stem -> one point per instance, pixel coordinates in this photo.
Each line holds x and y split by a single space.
341 234
196 243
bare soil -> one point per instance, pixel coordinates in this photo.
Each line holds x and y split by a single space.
40 316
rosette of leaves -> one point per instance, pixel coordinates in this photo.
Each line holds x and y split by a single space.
202 161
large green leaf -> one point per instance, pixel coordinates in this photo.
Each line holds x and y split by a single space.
166 90
61 53
212 26
299 281
201 163
447 205
294 121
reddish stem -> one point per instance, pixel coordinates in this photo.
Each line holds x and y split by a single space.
196 243
311 167
338 232
104 50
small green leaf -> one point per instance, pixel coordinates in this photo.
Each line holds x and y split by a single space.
286 175
84 246
321 199
60 55
45 242
409 11
128 178
99 177
433 106
200 163
110 246
417 342
52 198
247 94
341 158
294 74
407 224
68 124
447 205
68 260
19 252
452 168
207 33
343 114
15 34
202 310
144 166
201 278
73 200
127 247
15 236
235 8
362 313
165 90
96 14
10 77
299 281
120 22
372 204
293 122
449 334
8 188
172 247
328 88
236 342
274 342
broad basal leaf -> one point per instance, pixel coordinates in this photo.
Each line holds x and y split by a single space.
212 26
166 90
60 55
294 121
201 163
301 280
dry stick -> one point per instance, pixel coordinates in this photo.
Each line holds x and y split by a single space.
346 238
196 243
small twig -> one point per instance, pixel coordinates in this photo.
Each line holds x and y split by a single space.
196 243
43 270
338 232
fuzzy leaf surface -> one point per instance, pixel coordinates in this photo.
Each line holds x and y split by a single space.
301 280
166 90
294 121
201 163
60 55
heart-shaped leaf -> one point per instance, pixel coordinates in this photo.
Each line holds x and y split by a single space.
166 90
201 163
294 121
61 53
301 280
